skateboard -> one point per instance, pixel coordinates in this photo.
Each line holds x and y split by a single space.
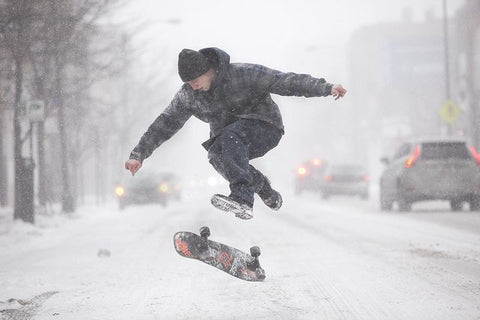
226 258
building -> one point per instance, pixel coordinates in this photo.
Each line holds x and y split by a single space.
398 72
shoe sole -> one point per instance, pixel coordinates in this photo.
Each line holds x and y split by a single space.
226 205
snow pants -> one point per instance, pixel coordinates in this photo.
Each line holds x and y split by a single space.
232 150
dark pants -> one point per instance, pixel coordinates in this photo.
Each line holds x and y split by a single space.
232 150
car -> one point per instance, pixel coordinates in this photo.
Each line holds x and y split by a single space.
345 179
309 175
431 169
148 187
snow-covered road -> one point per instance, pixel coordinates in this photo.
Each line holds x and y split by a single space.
340 259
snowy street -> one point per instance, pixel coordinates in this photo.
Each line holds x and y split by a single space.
336 259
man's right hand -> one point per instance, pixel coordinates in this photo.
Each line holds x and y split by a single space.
133 165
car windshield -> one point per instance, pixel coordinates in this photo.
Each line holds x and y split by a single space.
444 150
346 170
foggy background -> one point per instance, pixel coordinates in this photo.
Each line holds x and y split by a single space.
313 37
388 55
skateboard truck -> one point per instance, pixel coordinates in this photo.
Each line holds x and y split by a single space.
255 264
203 245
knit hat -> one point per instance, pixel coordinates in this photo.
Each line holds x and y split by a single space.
191 64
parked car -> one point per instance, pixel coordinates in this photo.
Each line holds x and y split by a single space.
309 175
433 169
350 180
147 187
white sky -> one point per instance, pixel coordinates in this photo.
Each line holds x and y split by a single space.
270 32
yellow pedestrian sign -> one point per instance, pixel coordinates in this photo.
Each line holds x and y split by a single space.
449 112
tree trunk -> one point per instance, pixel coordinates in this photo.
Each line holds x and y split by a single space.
67 198
23 169
3 165
43 185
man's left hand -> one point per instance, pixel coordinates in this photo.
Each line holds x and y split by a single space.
338 91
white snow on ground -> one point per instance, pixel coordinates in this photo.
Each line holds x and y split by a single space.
341 259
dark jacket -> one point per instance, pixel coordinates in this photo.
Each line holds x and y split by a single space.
240 90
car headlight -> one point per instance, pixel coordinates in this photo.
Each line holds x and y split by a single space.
163 188
119 191
302 171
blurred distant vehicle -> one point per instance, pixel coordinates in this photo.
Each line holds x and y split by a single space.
146 188
349 180
438 169
309 175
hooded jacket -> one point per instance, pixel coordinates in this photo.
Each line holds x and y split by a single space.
239 91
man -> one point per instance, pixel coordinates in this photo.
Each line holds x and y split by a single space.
245 123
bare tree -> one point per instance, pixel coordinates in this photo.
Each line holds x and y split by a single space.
16 33
47 42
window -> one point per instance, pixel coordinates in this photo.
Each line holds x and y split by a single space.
444 150
403 151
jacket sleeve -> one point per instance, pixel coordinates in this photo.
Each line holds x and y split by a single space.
163 128
289 84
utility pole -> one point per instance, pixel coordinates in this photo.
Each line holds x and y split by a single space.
447 63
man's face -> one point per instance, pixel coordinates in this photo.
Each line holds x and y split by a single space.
203 82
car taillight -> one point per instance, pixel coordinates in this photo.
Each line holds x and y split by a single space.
119 191
302 171
475 154
328 177
366 177
163 188
317 162
411 160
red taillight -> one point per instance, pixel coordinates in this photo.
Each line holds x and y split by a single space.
328 177
475 154
302 171
366 177
411 160
317 162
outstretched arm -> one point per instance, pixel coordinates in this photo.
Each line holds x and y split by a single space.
163 128
293 84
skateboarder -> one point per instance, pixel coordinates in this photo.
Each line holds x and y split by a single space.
245 123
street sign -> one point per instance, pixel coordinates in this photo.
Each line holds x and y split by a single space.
449 112
35 110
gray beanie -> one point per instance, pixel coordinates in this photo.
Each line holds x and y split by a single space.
191 64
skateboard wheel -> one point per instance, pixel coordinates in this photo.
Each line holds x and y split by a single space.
260 273
255 251
205 232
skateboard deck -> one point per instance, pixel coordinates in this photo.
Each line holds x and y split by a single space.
221 256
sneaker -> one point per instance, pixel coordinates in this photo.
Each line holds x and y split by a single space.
271 198
236 205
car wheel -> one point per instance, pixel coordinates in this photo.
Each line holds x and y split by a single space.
404 205
121 205
385 204
475 203
456 205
